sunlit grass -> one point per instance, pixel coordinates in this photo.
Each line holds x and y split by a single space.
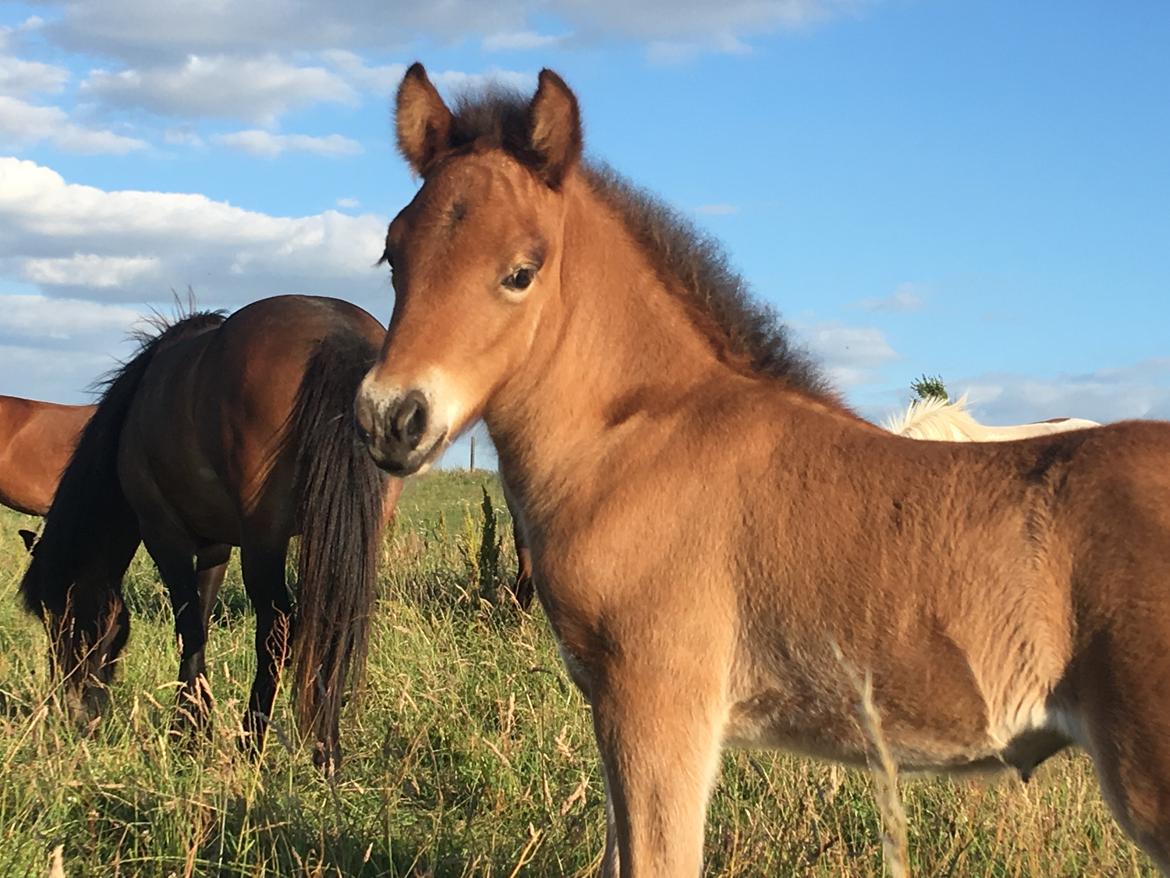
467 752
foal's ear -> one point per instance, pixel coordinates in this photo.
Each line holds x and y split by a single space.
422 120
554 128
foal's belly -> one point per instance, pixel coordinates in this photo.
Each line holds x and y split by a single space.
835 724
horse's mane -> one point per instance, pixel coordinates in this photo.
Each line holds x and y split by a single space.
929 418
89 495
691 263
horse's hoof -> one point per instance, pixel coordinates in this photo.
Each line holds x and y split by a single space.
327 758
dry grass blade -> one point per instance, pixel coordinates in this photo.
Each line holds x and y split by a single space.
57 862
883 769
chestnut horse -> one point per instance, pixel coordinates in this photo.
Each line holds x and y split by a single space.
722 547
950 421
36 440
218 433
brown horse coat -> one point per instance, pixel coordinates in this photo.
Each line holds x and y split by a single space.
721 547
36 441
221 432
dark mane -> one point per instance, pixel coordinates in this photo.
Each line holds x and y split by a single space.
691 263
89 489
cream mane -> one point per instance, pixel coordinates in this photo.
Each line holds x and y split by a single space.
950 421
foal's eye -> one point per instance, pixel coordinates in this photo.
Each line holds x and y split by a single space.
520 279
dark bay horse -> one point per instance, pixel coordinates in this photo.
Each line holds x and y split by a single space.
36 441
218 433
722 548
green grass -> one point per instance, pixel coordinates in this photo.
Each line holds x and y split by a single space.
468 752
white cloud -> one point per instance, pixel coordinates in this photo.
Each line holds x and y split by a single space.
131 246
153 31
850 354
60 375
676 30
254 89
89 270
31 316
23 124
139 31
1141 390
381 79
182 135
262 89
56 348
717 209
19 78
348 203
522 41
681 51
907 297
664 19
269 145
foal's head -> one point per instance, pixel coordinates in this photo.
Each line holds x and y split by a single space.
474 257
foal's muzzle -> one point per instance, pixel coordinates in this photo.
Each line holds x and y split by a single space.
393 428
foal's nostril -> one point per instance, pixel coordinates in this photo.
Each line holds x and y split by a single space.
410 419
416 426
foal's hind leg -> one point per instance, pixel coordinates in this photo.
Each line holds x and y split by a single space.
1123 684
263 569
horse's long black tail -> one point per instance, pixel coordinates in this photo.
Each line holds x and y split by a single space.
91 532
341 519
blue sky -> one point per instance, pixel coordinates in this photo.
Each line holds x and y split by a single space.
977 189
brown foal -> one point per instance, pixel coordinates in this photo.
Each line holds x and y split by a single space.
720 545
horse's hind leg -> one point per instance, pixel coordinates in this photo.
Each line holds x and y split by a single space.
210 568
263 569
1123 688
176 566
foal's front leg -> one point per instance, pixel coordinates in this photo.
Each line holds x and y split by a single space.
659 728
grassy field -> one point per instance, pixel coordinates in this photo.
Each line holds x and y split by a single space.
468 752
